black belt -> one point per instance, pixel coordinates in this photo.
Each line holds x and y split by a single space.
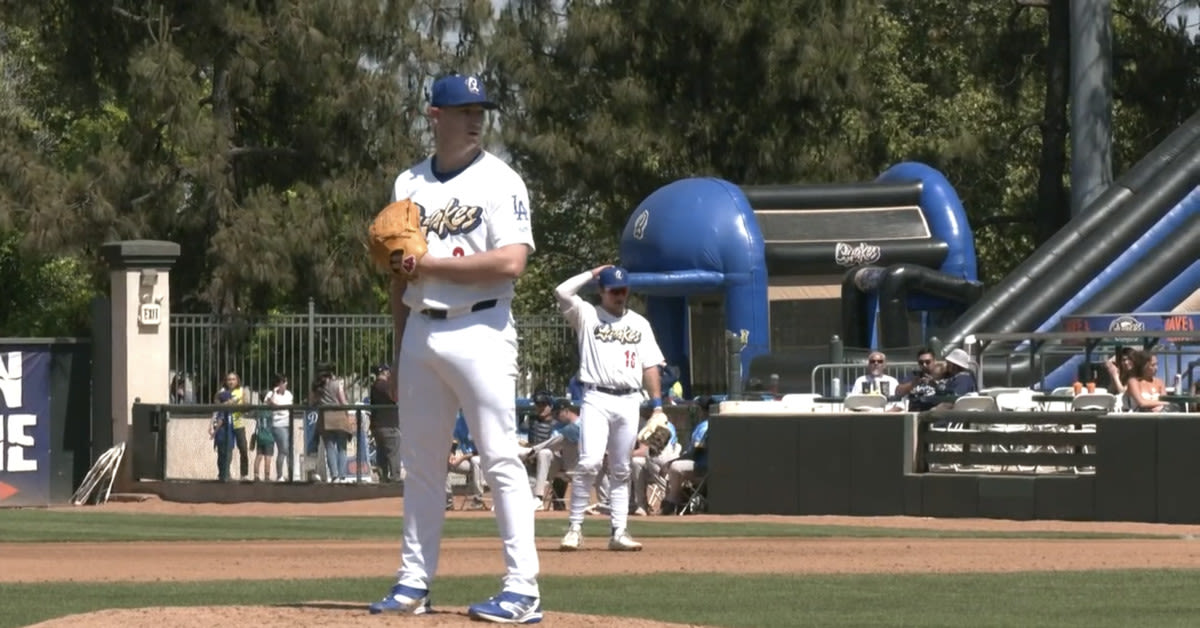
612 391
439 315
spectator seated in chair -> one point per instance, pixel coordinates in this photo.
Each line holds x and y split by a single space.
692 464
960 377
1144 387
648 468
553 443
464 460
875 381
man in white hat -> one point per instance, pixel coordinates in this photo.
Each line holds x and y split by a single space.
960 374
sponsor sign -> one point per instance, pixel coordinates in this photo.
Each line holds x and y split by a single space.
24 426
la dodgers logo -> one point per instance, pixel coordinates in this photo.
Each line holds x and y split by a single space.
454 219
624 335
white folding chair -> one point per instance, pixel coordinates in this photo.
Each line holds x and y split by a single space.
864 403
1059 406
1094 401
973 402
996 391
1020 400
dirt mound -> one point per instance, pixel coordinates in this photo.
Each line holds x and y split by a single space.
306 614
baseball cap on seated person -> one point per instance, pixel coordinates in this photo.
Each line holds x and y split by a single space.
457 90
543 398
613 277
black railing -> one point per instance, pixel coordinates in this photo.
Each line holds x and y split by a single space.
1006 441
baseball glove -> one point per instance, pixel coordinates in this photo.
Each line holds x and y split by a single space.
657 440
655 434
396 239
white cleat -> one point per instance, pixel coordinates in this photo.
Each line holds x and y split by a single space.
622 542
571 540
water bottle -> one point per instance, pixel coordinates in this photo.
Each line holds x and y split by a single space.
835 387
1179 384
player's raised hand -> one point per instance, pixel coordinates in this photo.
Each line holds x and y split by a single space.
597 270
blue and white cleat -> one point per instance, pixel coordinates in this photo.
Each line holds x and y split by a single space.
403 600
508 608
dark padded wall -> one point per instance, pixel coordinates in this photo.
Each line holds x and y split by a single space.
810 464
752 465
823 466
1070 498
877 465
1178 469
853 464
1125 468
70 418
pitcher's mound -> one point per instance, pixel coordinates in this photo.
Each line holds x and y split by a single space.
307 614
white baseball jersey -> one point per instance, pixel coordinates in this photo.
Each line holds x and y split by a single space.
613 350
484 207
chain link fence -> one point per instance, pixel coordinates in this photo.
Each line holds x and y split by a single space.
206 346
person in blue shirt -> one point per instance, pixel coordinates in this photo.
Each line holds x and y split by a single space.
575 389
464 460
693 463
649 467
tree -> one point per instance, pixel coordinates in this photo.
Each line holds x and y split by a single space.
608 101
260 136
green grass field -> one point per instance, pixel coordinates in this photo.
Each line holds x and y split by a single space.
31 525
1090 598
1085 599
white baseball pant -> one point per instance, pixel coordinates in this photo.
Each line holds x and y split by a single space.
468 362
469 468
607 424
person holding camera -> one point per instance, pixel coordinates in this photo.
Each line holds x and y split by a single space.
921 387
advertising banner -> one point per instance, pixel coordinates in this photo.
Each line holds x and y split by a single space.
24 426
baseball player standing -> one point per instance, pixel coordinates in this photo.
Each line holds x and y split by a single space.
457 348
617 356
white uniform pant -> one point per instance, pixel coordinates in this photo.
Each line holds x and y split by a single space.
467 362
469 468
607 424
647 470
677 472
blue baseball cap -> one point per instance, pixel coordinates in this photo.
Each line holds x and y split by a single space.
457 90
614 277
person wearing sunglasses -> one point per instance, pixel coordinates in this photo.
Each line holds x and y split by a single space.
920 387
875 381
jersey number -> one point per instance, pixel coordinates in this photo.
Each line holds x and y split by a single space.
631 359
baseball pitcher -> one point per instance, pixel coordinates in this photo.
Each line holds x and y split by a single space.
454 240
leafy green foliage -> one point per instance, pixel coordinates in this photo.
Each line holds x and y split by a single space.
263 136
42 297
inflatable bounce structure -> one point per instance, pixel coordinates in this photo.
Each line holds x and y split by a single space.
891 263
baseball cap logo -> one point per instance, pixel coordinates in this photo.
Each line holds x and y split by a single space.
473 85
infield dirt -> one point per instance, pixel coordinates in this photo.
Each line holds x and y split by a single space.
190 561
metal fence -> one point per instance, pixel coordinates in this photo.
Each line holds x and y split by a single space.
847 372
206 346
